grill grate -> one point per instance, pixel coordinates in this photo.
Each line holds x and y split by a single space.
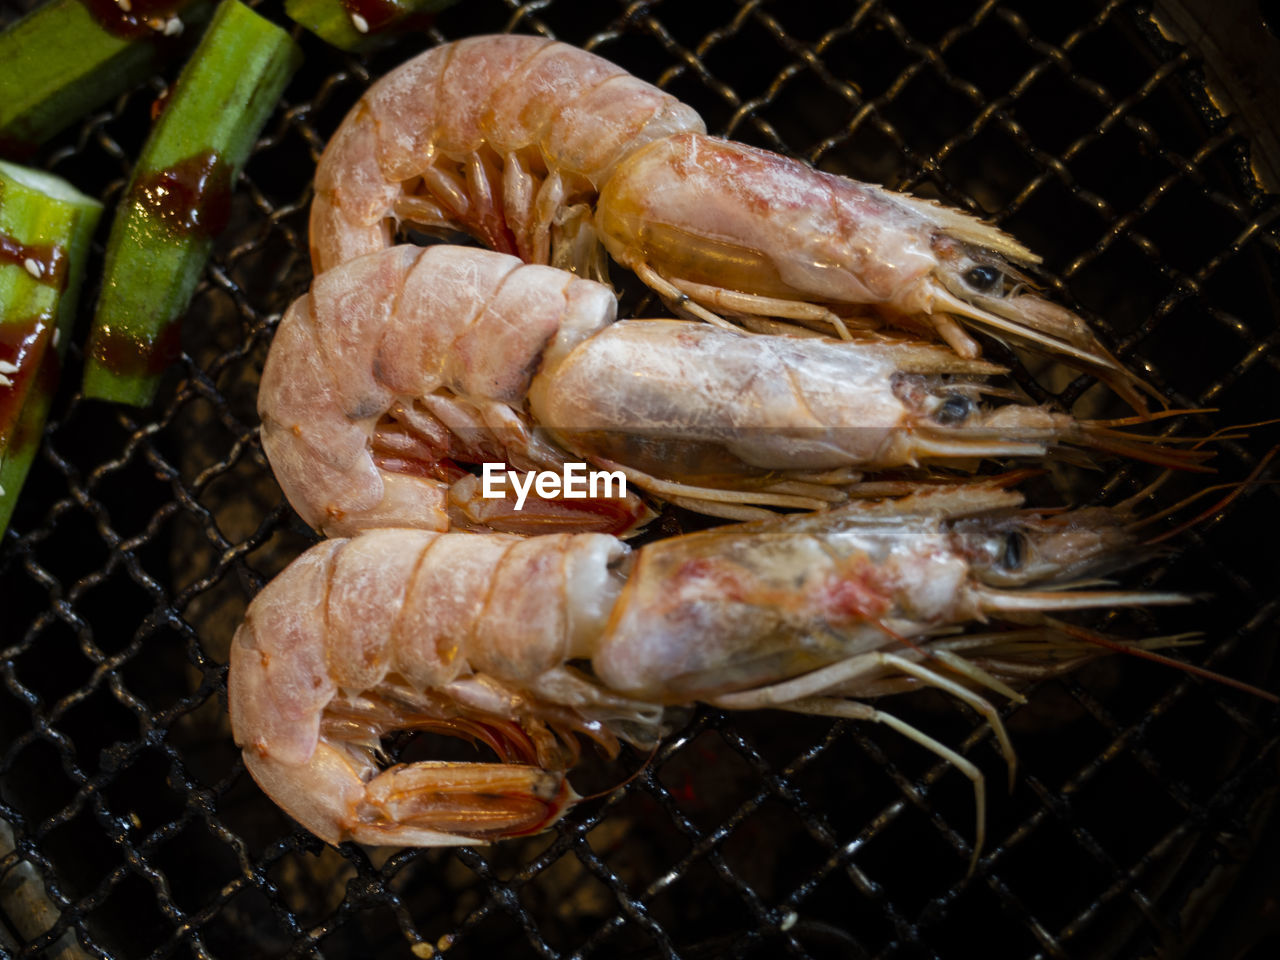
1142 794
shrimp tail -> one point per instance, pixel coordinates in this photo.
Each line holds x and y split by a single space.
423 804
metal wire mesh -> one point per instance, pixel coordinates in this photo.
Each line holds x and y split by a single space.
1142 794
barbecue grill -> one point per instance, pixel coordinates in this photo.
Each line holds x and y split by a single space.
1127 143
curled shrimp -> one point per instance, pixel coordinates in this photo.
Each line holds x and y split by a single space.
505 137
546 151
399 366
527 645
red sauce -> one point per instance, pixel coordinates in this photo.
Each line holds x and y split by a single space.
22 343
192 197
379 14
50 259
46 384
13 148
854 596
133 23
376 13
126 354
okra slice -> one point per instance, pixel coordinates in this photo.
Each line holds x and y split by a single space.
359 25
45 229
68 57
180 198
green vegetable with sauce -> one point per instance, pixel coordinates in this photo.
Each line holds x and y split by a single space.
45 229
359 25
68 57
180 198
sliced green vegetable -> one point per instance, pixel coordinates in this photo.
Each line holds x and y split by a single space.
359 25
180 198
69 56
45 229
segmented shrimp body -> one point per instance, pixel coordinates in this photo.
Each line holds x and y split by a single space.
476 635
505 137
401 365
397 365
546 151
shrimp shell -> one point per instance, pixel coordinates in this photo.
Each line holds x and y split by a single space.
495 135
476 636
446 339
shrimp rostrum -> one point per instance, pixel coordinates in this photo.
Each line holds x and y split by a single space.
546 151
401 365
529 645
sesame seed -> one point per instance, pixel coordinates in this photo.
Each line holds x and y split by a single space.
7 367
5 381
360 23
172 27
124 5
1 491
33 267
57 335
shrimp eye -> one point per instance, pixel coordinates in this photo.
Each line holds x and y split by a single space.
983 279
956 408
1014 552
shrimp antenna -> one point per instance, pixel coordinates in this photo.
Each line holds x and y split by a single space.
1158 482
1236 489
1098 639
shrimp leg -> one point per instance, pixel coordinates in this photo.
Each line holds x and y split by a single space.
830 678
853 710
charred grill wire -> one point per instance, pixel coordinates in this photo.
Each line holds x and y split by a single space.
1139 822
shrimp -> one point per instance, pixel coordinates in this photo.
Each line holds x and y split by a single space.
546 151
529 645
505 137
401 365
397 365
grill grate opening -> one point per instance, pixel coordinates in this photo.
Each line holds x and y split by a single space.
1142 795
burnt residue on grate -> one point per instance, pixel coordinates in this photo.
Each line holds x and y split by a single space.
1143 795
